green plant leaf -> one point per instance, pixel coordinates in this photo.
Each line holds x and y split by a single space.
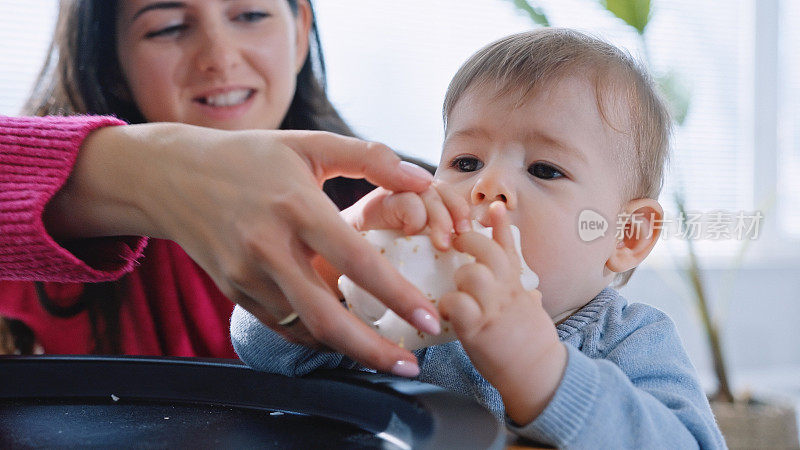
635 13
535 12
677 95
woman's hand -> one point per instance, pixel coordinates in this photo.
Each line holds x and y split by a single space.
248 207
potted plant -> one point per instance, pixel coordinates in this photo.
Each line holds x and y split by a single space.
745 422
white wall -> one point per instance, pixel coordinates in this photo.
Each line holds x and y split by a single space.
25 30
759 315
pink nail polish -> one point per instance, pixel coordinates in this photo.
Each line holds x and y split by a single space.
424 321
405 369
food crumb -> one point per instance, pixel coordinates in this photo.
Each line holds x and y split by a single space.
166 418
114 397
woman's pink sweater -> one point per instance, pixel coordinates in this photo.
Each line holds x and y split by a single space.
171 308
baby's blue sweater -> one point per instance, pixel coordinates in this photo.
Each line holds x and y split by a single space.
628 382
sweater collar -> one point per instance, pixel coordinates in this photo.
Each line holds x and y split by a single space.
591 312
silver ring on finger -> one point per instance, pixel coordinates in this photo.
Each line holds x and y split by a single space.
289 320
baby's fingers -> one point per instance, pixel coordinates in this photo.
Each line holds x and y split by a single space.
457 205
478 281
485 250
462 311
405 211
501 228
447 211
439 219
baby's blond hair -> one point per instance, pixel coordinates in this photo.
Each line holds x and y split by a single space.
524 63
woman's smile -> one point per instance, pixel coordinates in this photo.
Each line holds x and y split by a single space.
227 103
219 64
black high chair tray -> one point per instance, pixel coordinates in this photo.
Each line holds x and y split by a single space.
80 401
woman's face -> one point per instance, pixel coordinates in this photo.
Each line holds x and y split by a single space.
229 64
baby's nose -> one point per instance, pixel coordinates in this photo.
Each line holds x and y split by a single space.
500 197
493 188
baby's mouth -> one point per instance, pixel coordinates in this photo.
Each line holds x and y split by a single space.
231 98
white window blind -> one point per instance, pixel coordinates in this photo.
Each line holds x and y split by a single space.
26 27
707 45
789 118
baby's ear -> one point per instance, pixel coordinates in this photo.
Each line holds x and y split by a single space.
639 227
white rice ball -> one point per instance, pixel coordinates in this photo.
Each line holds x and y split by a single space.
430 270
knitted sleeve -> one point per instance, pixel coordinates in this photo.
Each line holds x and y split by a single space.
37 155
265 350
639 391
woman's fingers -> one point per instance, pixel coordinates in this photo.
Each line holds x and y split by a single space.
323 320
328 322
297 333
247 206
349 252
330 155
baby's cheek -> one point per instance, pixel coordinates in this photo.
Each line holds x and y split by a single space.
562 263
546 246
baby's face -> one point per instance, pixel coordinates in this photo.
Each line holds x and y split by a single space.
548 159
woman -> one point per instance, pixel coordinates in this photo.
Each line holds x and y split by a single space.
238 212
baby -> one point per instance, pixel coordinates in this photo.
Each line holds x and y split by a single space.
541 127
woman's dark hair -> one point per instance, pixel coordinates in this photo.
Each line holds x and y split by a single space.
82 75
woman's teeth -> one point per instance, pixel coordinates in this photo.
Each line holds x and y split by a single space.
231 98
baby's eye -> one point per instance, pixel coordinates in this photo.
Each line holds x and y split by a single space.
251 16
172 30
466 164
545 171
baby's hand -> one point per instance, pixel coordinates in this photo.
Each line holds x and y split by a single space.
437 208
504 329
